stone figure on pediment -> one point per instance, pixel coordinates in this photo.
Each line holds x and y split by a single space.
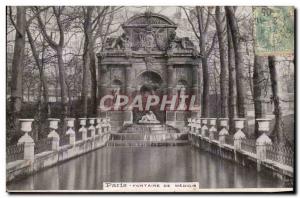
122 42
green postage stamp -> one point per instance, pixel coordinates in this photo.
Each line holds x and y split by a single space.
274 30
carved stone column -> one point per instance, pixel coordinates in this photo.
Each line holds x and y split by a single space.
103 80
129 77
103 85
171 79
195 84
170 115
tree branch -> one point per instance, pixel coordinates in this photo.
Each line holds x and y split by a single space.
52 43
212 45
13 22
191 23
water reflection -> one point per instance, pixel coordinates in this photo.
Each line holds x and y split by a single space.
145 164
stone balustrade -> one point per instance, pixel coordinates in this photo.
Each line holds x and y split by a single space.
260 146
102 127
259 152
49 151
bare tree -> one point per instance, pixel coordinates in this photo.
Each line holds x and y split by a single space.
39 64
260 63
203 20
96 24
277 133
17 62
58 47
221 30
232 21
231 80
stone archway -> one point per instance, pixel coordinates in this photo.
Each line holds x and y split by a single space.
149 80
149 83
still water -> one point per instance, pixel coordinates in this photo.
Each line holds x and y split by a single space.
145 164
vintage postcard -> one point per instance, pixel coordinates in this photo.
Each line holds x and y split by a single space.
150 99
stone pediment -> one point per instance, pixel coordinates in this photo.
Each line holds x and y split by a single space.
148 18
150 32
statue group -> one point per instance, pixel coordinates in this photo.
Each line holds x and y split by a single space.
149 118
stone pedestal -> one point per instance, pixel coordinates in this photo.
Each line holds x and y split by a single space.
212 129
237 139
128 118
83 130
92 127
223 132
53 124
261 146
26 139
116 119
263 141
70 132
171 118
239 135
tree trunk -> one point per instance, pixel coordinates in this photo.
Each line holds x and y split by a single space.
17 63
84 91
278 135
231 81
223 64
205 92
58 47
93 81
87 25
240 84
258 80
43 78
62 82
